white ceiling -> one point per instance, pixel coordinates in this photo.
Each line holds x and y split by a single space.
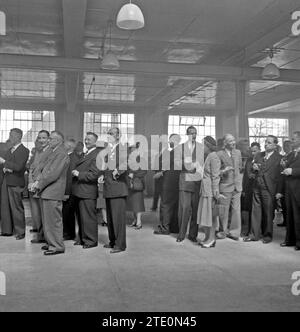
182 33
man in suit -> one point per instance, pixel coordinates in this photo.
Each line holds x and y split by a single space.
248 182
267 170
69 200
192 161
51 185
170 191
291 175
41 154
4 147
85 192
115 191
230 189
14 165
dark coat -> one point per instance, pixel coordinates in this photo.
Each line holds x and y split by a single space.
116 188
270 171
292 183
16 161
74 159
86 184
189 180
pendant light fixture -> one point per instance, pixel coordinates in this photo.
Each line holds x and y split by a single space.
271 71
2 24
130 17
110 60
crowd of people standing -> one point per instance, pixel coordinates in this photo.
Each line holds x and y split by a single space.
208 186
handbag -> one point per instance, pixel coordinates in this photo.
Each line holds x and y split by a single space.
218 209
136 184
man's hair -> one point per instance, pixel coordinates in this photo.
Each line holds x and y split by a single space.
296 133
189 128
92 134
255 144
275 139
72 140
43 131
18 131
58 133
226 137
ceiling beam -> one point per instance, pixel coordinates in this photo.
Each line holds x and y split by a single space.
267 99
188 71
74 13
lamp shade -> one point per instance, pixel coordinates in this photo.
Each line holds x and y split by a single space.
2 24
271 71
110 61
130 17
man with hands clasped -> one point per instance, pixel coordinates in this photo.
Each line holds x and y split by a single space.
291 174
85 192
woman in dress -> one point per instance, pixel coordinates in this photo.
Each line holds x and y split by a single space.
209 192
135 200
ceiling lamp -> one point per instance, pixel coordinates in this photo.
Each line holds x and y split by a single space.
110 60
271 71
130 17
2 24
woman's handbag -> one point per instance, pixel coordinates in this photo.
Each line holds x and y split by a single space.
136 184
218 209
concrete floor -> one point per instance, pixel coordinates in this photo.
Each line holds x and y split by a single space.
154 274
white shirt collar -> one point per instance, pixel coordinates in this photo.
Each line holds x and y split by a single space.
14 148
90 150
268 154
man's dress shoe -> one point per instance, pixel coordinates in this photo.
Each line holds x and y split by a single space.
53 252
37 241
192 239
161 232
267 241
78 243
179 240
88 246
116 250
297 248
6 234
108 246
285 244
248 239
20 237
33 230
232 237
44 248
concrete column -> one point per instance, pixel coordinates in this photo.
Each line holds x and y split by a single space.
294 123
241 115
70 123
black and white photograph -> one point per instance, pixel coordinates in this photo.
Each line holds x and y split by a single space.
149 159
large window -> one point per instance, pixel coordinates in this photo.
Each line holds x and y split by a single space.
30 122
205 125
260 128
100 123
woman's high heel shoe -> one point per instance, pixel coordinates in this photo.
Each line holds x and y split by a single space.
133 224
138 227
208 245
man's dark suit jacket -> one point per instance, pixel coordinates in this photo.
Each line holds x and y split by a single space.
292 182
188 179
16 161
270 171
86 184
116 188
74 159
